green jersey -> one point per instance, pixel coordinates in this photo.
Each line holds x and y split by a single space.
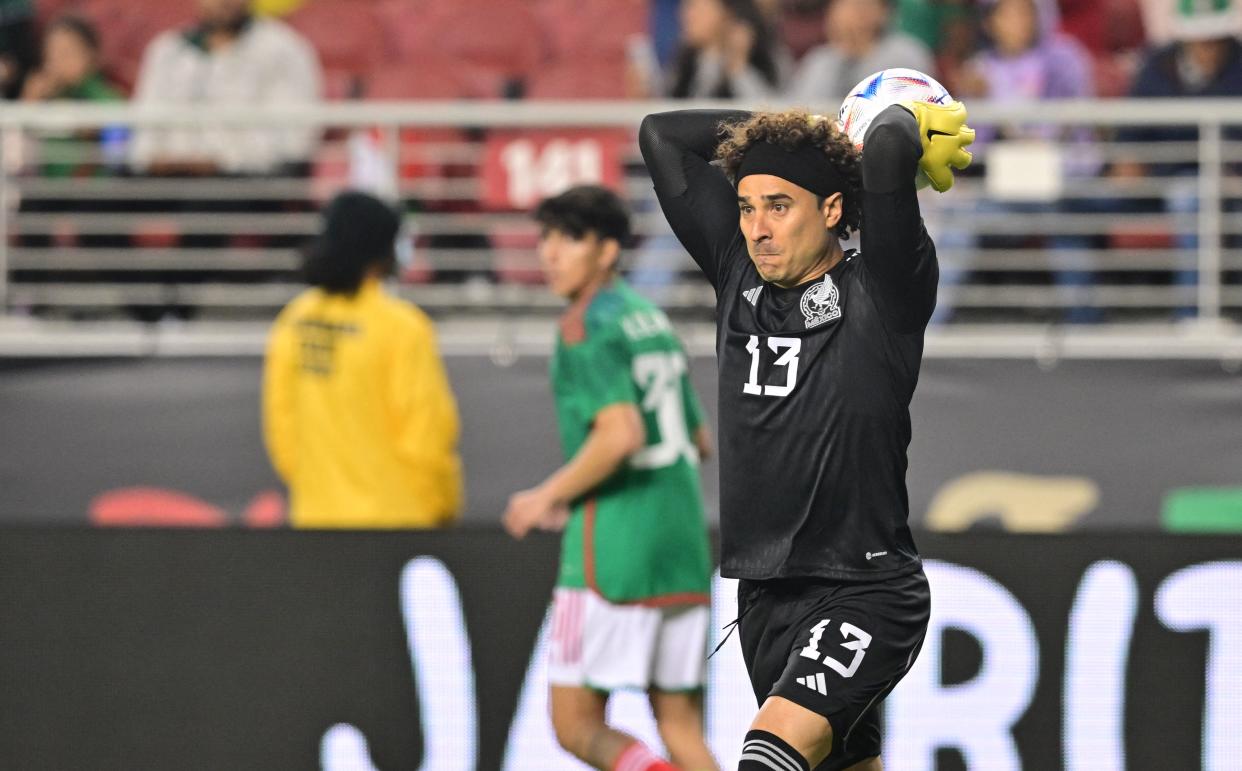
640 536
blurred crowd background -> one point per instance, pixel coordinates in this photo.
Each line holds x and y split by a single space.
152 223
808 50
1082 372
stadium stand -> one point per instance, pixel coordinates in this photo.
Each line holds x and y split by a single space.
602 78
385 56
125 30
344 32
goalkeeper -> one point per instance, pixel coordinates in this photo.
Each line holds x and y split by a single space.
818 354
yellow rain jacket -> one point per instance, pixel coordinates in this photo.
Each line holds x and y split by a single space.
358 417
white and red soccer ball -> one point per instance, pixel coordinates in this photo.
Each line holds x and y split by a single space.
875 92
880 90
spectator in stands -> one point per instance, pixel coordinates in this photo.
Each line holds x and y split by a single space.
229 58
17 45
949 29
861 41
1204 60
70 71
358 416
70 66
1027 60
727 52
728 49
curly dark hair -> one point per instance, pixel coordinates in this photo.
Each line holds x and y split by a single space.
792 129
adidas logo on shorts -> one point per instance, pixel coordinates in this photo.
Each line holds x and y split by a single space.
815 682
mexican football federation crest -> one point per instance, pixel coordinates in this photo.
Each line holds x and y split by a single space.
820 303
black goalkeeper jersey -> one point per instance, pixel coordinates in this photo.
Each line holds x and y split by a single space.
815 381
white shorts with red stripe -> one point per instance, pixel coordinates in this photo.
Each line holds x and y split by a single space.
597 644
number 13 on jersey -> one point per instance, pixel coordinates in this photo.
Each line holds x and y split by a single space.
787 350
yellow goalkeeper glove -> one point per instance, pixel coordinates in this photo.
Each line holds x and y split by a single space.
944 133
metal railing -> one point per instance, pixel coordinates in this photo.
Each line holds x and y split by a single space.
1107 248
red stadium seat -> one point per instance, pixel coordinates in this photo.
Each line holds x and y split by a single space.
341 84
427 80
585 79
502 36
156 232
1104 26
49 10
124 35
802 30
1138 238
423 153
347 34
433 78
581 29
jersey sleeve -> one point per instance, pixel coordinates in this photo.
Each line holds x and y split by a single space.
897 252
697 199
603 372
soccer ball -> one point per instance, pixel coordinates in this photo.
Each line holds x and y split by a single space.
869 98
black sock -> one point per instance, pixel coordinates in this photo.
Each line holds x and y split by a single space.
763 751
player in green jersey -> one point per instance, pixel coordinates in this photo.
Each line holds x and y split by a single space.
631 603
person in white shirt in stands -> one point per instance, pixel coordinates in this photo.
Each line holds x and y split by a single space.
861 41
228 58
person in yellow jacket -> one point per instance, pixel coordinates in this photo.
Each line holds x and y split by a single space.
358 417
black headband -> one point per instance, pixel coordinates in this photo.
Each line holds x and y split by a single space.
807 167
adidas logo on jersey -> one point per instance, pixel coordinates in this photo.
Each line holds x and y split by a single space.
752 295
815 682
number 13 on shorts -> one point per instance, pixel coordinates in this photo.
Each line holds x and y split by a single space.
855 640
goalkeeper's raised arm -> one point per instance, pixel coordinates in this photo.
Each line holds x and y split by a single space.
698 201
903 142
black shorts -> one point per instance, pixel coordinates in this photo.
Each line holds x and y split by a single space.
834 647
